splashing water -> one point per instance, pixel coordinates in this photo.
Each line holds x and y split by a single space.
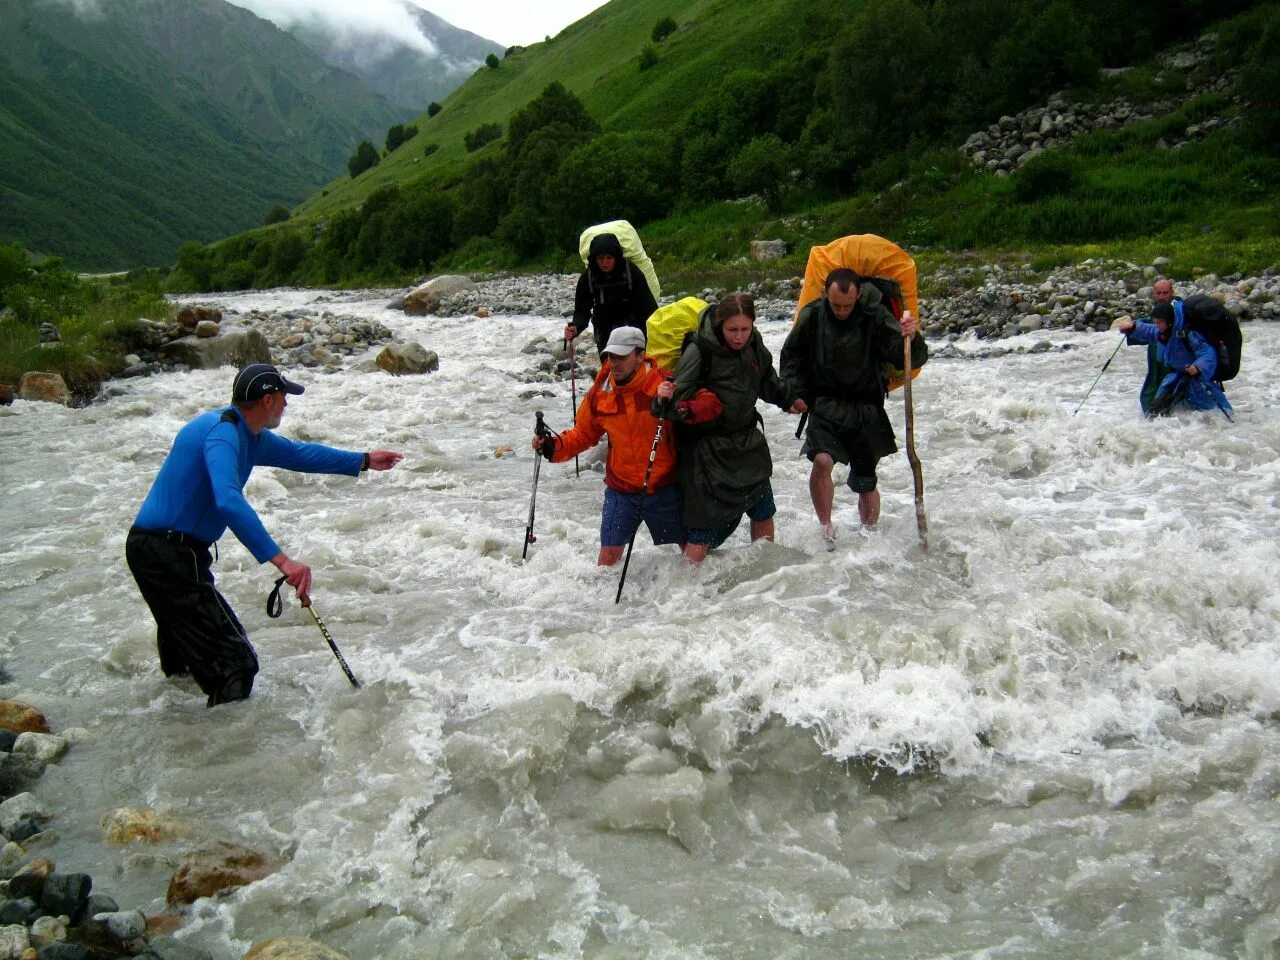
1054 734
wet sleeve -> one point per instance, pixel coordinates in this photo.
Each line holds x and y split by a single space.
772 389
585 433
277 451
794 350
1206 356
1142 332
222 460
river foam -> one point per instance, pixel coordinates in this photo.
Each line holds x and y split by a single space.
1054 731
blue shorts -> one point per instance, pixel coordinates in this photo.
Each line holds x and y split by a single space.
763 510
621 516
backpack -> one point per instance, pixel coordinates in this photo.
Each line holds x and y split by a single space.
1209 318
876 260
632 249
668 330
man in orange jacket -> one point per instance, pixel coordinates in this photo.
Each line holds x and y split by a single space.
619 405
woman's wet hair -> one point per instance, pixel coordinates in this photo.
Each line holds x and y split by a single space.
731 306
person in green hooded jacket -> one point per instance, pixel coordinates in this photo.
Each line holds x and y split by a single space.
837 357
723 455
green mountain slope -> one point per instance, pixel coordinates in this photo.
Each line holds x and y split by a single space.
159 121
789 119
596 59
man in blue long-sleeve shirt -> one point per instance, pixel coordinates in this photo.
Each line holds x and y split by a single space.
197 495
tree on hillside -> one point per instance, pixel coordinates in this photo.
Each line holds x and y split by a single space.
883 100
1259 84
365 157
486 133
553 105
633 172
277 214
663 29
1047 49
761 167
433 108
400 134
14 268
492 61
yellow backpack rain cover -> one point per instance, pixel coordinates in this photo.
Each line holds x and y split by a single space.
667 327
869 256
632 249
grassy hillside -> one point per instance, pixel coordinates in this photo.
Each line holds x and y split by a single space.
782 119
596 59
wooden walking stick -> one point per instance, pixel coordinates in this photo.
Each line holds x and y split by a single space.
922 524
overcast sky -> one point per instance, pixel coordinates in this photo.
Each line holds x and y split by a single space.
508 22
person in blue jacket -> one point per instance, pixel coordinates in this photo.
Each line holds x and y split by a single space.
196 496
1192 361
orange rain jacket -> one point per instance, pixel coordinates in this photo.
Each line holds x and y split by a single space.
623 412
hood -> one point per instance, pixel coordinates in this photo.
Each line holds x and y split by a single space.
605 243
709 339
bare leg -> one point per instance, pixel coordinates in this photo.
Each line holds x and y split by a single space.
821 490
609 556
762 529
695 553
869 507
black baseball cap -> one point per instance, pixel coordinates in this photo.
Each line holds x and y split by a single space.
257 380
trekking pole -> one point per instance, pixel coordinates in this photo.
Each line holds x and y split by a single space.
1205 383
1098 377
539 430
922 524
644 492
573 395
1124 337
332 646
275 606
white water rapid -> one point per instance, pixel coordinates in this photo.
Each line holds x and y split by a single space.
1053 735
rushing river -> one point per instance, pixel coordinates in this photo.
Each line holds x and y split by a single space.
1053 734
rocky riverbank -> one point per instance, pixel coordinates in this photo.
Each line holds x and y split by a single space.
987 301
52 914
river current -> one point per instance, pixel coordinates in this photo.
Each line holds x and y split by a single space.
1054 734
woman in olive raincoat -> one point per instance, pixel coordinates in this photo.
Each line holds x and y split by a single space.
723 456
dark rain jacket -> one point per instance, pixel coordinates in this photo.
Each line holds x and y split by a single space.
724 464
841 368
620 298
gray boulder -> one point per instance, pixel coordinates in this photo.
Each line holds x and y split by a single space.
404 358
233 347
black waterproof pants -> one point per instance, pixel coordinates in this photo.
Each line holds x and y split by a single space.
196 630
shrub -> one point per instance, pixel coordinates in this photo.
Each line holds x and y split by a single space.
760 167
648 58
400 134
481 135
663 29
1052 173
365 157
492 61
13 268
433 108
430 148
277 214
